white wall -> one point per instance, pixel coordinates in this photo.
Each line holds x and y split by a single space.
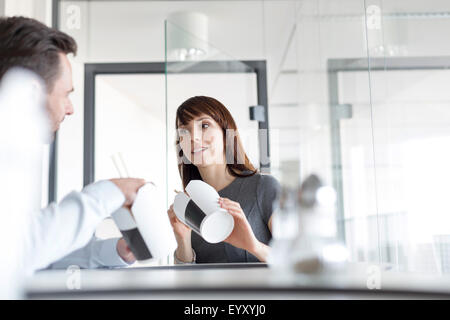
2 7
36 9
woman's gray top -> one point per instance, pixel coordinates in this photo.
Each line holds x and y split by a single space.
258 196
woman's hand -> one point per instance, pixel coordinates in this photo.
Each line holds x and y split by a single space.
183 237
242 235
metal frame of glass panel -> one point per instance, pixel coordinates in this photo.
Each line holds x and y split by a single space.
94 69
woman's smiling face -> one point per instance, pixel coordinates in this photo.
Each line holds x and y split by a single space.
202 141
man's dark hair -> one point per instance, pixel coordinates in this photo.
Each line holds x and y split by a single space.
30 44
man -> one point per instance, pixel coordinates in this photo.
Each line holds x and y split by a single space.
64 230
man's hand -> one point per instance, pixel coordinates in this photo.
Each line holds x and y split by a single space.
124 251
129 187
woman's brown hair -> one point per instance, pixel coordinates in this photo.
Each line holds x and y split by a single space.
238 163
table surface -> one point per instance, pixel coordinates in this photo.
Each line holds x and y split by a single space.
236 281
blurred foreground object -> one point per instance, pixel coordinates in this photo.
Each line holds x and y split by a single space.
24 128
304 231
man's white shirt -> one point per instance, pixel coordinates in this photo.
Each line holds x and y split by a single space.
63 233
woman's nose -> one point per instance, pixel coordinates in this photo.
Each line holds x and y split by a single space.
196 135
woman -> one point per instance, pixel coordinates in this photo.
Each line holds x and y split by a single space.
207 151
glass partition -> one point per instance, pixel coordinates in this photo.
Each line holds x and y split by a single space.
408 57
335 134
356 93
383 83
